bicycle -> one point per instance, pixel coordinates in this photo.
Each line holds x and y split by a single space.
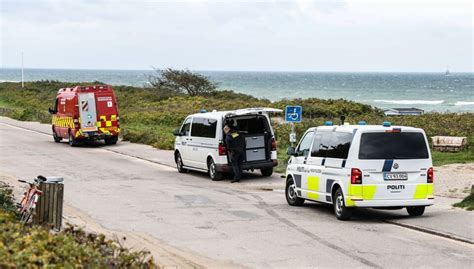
30 198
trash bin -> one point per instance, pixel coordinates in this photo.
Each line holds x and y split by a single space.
49 209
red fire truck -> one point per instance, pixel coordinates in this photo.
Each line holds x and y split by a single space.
85 113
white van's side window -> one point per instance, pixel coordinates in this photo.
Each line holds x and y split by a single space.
316 144
204 127
323 144
339 145
332 145
186 127
303 148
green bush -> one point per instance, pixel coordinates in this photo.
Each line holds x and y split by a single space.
23 246
467 203
7 201
148 116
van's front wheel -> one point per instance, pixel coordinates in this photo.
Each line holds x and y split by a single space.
342 212
179 164
415 211
291 195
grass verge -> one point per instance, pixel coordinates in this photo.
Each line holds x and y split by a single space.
147 116
467 203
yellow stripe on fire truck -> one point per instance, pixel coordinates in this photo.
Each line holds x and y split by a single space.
63 122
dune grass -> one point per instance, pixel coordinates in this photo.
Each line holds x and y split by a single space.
467 203
149 115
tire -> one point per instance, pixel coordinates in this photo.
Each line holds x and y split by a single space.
179 164
26 214
72 141
111 140
56 138
415 211
291 195
266 172
342 212
213 174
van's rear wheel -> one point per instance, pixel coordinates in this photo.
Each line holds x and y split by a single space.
179 164
342 212
56 138
415 211
72 141
291 195
111 140
213 174
266 172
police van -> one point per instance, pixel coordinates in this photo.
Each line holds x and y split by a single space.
200 141
378 166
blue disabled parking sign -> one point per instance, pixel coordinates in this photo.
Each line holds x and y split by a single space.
293 113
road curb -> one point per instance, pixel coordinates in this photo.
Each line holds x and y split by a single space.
430 231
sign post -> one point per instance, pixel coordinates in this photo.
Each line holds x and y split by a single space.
292 115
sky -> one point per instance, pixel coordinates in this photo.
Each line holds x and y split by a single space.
299 35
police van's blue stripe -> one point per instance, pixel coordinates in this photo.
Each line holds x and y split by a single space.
387 166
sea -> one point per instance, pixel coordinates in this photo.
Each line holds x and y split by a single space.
428 91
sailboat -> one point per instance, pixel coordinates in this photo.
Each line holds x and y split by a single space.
447 71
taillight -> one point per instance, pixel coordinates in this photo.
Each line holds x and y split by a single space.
274 144
430 175
356 176
222 150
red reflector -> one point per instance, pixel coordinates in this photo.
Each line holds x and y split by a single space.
222 149
356 176
430 175
274 144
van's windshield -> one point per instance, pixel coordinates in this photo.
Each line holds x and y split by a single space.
402 145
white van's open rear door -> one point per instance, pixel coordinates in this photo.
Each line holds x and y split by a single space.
254 110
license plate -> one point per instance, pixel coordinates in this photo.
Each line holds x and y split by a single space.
395 176
89 129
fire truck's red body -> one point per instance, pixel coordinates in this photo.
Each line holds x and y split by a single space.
86 113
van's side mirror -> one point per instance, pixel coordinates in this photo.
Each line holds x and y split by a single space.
291 151
51 111
176 132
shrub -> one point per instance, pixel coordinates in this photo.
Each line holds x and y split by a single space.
169 81
33 246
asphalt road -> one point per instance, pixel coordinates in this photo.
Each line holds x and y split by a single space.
234 223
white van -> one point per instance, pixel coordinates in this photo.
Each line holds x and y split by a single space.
200 142
361 166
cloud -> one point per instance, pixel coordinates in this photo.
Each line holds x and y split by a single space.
247 35
375 12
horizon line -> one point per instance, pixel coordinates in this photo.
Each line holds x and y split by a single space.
214 70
